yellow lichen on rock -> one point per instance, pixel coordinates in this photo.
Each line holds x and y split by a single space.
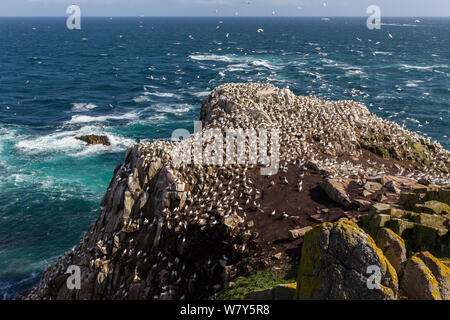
393 247
439 270
418 281
334 265
310 282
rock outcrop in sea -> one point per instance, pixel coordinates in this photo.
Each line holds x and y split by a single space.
171 230
93 139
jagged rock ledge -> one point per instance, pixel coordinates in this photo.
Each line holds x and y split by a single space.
173 231
93 139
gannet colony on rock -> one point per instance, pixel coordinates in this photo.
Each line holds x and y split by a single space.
184 231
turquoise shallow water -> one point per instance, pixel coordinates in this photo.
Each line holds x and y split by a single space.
136 78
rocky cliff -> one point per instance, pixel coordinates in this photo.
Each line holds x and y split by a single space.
172 230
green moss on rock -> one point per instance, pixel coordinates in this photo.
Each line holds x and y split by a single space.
260 281
426 237
409 200
377 221
432 207
401 227
433 220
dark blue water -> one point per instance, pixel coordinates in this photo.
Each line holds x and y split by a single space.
136 78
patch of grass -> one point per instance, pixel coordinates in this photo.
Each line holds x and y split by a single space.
259 281
382 152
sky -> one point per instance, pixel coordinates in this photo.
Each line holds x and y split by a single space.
322 8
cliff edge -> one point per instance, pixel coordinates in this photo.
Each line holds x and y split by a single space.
174 226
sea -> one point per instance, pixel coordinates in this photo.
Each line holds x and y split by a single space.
138 79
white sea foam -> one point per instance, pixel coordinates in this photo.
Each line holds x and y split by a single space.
277 80
150 86
385 53
383 96
238 67
248 61
59 141
410 67
211 57
41 180
266 64
354 72
171 108
201 94
413 83
64 142
86 119
118 144
82 107
155 118
350 70
310 73
141 99
7 136
399 25
165 95
328 62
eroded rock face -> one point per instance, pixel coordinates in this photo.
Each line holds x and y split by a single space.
418 282
440 271
93 139
422 222
334 262
393 186
393 247
162 230
298 233
143 246
336 190
432 207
